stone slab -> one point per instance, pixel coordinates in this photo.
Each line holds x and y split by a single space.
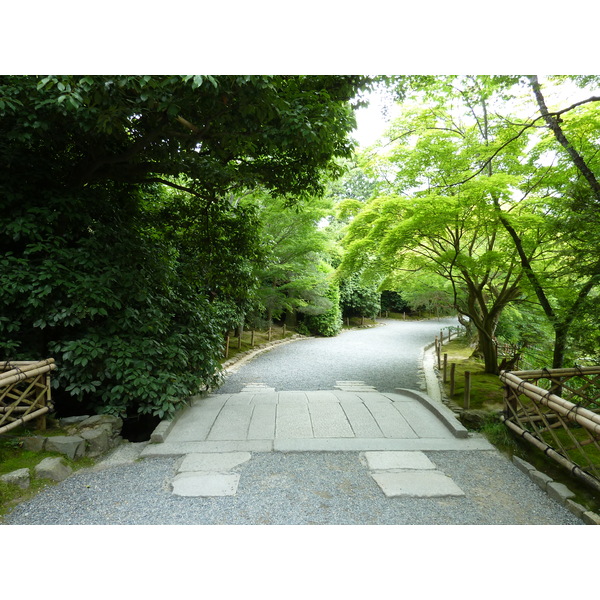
361 420
559 492
362 444
416 484
523 465
181 448
293 421
262 422
322 396
541 479
329 420
213 461
420 421
390 460
439 410
590 518
390 421
196 422
232 423
205 484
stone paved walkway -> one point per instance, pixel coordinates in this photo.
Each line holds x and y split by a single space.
392 430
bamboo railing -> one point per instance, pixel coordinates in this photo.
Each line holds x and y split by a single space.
24 393
558 411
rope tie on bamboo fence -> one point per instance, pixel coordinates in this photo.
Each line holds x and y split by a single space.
521 387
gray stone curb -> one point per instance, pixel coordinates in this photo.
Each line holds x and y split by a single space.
440 410
557 491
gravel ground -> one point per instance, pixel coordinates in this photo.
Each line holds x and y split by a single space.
385 357
303 488
311 488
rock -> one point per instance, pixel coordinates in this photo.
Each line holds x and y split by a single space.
20 478
559 492
73 420
53 468
72 446
475 418
590 518
97 441
523 465
34 443
115 423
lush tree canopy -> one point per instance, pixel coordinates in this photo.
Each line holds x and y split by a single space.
127 250
502 204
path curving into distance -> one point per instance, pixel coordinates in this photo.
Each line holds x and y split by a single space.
385 357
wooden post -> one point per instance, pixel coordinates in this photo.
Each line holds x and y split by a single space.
252 338
404 315
270 333
283 330
437 351
362 320
467 398
452 378
240 341
226 346
445 366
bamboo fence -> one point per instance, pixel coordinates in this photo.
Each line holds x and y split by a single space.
25 393
557 410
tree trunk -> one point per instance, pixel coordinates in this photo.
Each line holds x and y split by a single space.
489 351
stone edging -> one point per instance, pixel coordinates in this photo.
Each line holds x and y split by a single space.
440 411
557 491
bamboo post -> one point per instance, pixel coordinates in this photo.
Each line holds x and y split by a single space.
452 378
445 366
226 346
252 338
40 422
467 398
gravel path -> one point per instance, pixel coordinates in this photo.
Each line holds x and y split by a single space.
309 488
279 488
385 357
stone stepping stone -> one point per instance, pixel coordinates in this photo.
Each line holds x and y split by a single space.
205 484
386 461
354 386
213 461
257 388
416 484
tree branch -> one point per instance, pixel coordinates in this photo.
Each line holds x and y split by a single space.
553 121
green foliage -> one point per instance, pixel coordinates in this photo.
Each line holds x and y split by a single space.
328 323
293 244
393 301
358 300
130 287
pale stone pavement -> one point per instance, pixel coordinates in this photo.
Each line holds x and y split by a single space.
391 430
